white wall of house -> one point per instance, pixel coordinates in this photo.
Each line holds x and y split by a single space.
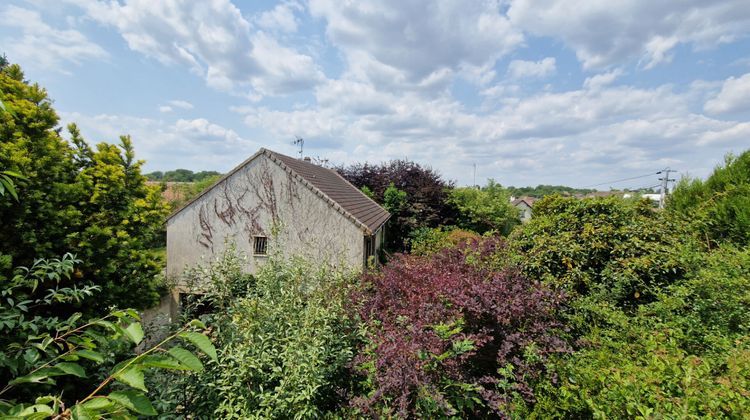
250 203
524 211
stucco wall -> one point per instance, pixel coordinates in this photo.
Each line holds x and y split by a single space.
249 203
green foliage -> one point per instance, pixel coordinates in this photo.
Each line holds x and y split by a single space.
687 354
544 190
284 342
367 191
184 192
623 252
91 201
486 209
394 199
60 368
426 241
8 184
719 208
181 175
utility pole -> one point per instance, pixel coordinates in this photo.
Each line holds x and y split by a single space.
664 186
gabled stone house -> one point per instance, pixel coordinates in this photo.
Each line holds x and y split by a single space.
273 200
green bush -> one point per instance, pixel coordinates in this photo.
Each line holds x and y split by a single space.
91 201
685 355
66 367
427 241
623 252
719 208
284 343
484 210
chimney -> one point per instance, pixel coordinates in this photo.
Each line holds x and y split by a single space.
307 159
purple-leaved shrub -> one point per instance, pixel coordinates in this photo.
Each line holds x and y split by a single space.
447 334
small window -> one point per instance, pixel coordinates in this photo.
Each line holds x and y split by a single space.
260 245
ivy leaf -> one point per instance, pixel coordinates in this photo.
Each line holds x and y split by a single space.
132 376
202 342
133 400
134 332
186 358
72 369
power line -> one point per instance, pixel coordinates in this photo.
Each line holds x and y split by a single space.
622 180
645 188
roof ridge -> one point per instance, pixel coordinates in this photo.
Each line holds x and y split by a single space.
278 159
311 186
355 187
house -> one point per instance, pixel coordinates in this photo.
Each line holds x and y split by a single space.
524 205
275 202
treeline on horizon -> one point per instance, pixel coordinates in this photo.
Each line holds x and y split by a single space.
539 191
181 175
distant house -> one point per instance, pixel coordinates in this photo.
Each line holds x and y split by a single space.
524 206
273 201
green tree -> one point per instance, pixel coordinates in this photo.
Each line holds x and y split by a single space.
621 251
93 202
486 209
718 207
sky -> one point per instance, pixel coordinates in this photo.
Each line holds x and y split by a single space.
573 92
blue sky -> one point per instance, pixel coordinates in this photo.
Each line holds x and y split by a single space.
574 92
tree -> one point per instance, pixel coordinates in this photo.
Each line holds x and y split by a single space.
719 207
93 202
426 195
486 209
622 252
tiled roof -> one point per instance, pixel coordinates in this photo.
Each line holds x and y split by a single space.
338 190
327 183
528 200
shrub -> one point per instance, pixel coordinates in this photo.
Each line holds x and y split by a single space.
685 355
719 208
448 336
426 241
485 210
63 368
284 343
416 196
622 252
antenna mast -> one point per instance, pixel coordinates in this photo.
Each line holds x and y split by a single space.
299 140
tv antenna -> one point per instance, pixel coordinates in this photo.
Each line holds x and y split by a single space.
299 140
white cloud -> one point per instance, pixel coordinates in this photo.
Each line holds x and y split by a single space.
406 44
177 103
42 46
518 69
606 33
600 80
734 96
546 138
165 108
213 39
186 143
280 18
